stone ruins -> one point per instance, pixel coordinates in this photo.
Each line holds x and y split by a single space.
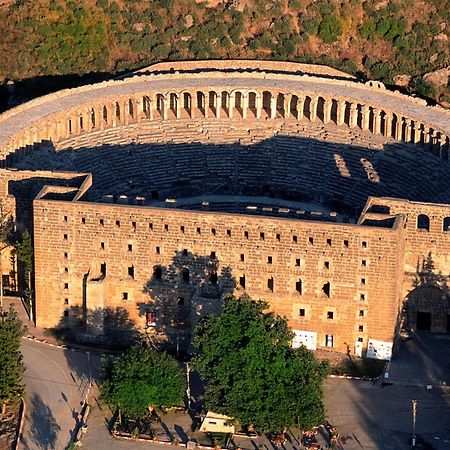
151 197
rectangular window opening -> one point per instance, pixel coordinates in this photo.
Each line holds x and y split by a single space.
330 315
302 312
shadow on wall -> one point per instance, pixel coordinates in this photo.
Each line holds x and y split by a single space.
43 426
191 287
106 327
305 169
179 295
427 305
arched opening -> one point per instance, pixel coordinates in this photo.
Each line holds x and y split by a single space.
80 121
146 106
293 105
252 107
321 109
213 278
105 115
69 126
187 103
185 276
427 308
213 102
239 103
299 286
446 224
224 101
157 273
326 289
160 104
347 113
266 102
307 107
173 101
92 118
423 222
359 116
280 105
117 108
131 108
334 111
201 102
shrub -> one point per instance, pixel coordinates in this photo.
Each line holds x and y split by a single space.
330 29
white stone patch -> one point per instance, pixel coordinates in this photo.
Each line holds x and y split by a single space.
379 349
306 338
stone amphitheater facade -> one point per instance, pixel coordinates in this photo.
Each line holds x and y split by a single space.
152 196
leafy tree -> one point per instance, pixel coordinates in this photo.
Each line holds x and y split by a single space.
252 372
11 365
330 29
142 378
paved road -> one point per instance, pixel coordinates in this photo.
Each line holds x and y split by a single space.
376 417
56 380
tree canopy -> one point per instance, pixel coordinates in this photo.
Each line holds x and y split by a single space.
11 365
142 378
252 372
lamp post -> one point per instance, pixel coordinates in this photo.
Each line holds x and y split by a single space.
414 412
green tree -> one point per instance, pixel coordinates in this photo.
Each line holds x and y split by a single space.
11 365
252 372
142 378
330 29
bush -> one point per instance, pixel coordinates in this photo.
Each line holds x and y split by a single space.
330 29
421 87
310 26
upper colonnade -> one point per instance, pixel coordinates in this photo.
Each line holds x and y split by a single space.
268 91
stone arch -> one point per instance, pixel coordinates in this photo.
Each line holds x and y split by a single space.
423 222
266 102
213 102
253 103
293 105
105 114
280 112
160 105
146 107
173 104
201 102
334 111
427 308
307 107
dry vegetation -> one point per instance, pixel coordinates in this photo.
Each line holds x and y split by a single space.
373 38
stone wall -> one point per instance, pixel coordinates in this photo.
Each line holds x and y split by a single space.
105 257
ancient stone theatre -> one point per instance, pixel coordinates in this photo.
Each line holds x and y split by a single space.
152 196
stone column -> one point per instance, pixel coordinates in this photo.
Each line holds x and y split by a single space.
377 121
313 109
399 128
231 104
328 104
408 131
273 106
218 104
287 106
138 113
244 99
342 104
165 107
300 107
258 105
388 125
353 115
112 114
178 106
365 117
126 112
417 132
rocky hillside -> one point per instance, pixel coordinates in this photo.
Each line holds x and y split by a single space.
396 41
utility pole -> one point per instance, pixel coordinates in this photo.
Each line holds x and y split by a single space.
414 412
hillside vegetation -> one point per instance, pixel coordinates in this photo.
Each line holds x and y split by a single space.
378 39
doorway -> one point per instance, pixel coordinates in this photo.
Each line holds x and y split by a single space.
423 321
